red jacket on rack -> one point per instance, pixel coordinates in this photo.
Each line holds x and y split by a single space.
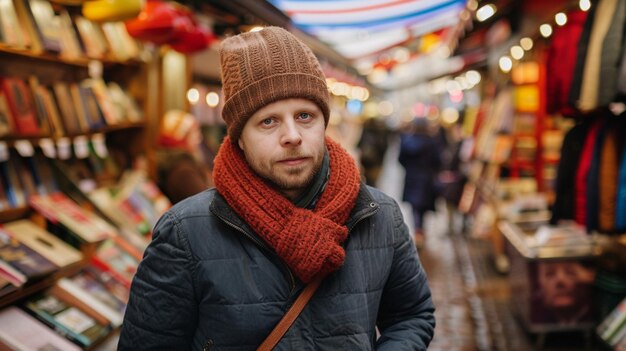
561 63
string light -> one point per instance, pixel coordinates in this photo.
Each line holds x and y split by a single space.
517 52
545 30
193 95
560 18
526 43
485 12
473 77
584 5
212 99
505 64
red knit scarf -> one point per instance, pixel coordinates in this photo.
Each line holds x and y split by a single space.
309 241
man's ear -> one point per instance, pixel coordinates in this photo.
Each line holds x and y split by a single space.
240 143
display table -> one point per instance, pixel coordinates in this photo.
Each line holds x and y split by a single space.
551 280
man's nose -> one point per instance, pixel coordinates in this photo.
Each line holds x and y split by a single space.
291 133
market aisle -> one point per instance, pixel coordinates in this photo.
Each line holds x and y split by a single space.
454 326
473 300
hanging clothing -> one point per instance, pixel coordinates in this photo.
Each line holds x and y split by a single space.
612 51
561 63
565 194
582 171
581 55
608 180
620 208
593 179
588 99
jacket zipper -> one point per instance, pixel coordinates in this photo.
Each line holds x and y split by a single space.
292 279
366 215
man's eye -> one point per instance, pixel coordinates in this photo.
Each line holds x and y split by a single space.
267 121
305 115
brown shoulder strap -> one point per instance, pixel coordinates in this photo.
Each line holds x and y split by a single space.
294 311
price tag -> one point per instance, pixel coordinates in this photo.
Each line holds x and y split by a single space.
47 146
81 148
95 69
4 151
99 145
24 148
64 149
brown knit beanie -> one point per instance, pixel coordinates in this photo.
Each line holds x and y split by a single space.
262 67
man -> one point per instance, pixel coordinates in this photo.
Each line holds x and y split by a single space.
226 264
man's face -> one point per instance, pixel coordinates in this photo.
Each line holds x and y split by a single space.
283 142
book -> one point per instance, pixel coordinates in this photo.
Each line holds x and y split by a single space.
21 106
71 47
46 244
85 225
6 118
4 201
24 259
113 258
69 298
619 338
68 320
93 293
611 325
67 108
127 107
15 277
23 175
45 24
101 93
120 291
12 32
80 107
43 179
17 329
12 186
92 37
6 287
93 112
121 44
27 23
43 117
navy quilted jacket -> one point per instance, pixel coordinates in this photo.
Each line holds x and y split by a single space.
207 282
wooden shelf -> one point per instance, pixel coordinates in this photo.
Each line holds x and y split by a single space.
13 214
10 139
40 285
82 62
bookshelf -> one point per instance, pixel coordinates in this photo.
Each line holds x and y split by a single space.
78 108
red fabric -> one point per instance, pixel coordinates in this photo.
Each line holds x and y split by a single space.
561 63
309 241
580 207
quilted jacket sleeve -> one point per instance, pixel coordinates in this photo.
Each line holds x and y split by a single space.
162 311
406 319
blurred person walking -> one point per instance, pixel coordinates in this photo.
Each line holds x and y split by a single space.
420 155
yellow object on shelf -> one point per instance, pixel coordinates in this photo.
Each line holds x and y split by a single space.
112 10
70 2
